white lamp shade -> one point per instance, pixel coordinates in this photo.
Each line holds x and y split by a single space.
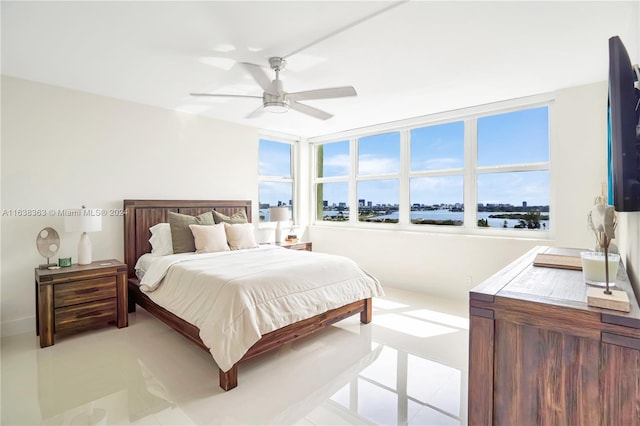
83 220
279 214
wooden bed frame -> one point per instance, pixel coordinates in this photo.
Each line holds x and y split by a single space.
140 215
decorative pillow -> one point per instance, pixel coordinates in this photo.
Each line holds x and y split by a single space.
240 236
209 238
238 217
181 235
160 240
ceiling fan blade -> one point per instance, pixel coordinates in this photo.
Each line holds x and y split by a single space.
309 110
331 92
258 74
218 95
256 112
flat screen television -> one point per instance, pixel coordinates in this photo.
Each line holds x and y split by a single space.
624 129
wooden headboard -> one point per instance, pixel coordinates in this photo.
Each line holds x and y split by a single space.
140 215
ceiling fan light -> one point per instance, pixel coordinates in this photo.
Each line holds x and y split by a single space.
276 106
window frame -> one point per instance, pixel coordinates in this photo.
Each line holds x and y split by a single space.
458 171
293 179
377 176
469 172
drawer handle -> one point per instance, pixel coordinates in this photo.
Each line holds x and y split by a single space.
89 314
87 290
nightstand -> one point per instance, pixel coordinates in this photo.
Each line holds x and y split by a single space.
79 297
298 245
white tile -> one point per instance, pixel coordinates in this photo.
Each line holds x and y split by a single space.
408 368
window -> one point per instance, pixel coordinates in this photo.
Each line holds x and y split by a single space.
475 172
436 178
378 178
332 187
276 182
513 170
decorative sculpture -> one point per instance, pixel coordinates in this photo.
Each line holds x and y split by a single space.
602 221
48 244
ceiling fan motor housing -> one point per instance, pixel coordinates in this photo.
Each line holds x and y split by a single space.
277 63
275 103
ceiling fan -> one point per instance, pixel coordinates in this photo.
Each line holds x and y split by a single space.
275 99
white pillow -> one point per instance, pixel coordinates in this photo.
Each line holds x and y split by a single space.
161 244
209 238
240 236
143 264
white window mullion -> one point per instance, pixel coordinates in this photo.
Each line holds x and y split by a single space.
353 182
470 176
404 198
313 181
513 168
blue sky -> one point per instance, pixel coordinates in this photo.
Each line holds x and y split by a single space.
512 138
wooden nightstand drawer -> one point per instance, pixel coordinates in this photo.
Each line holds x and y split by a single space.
298 245
77 292
85 315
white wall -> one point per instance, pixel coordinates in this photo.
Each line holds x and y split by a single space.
449 265
63 148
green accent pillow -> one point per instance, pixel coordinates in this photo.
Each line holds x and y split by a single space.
181 235
238 217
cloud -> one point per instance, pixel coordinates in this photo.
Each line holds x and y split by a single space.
370 165
337 165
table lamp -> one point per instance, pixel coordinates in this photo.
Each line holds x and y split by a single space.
278 214
83 220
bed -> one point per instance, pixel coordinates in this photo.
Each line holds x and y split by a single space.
140 215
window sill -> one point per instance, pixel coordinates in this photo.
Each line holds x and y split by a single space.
523 234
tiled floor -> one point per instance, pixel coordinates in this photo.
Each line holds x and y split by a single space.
408 367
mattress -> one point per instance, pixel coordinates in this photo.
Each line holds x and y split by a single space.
235 297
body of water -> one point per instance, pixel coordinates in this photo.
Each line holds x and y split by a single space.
449 215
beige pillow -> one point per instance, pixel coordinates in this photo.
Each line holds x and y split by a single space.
209 238
240 236
181 236
238 217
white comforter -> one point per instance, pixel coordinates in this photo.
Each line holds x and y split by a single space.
235 297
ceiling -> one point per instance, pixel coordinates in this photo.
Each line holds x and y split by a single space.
405 59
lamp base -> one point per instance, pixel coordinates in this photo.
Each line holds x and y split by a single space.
84 249
278 233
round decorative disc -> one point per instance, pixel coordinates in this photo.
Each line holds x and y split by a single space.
48 242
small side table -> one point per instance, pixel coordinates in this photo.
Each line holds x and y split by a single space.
79 297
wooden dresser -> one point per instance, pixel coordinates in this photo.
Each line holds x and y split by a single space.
538 355
79 297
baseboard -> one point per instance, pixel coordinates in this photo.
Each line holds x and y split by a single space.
21 326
